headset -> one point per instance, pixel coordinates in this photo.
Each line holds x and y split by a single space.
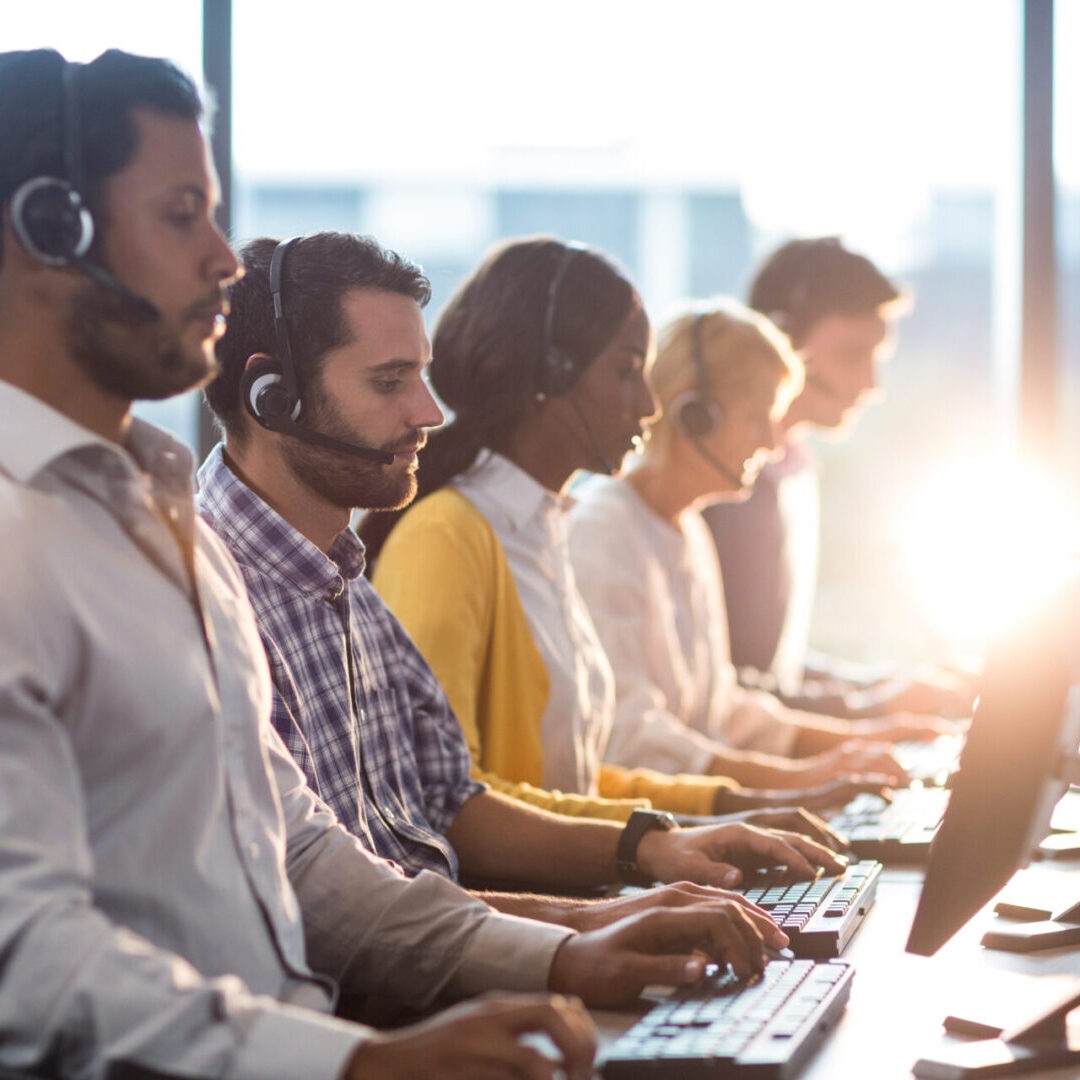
560 370
696 413
48 213
270 389
559 367
695 410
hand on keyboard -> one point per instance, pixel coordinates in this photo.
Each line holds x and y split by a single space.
596 914
712 854
664 947
856 759
482 1038
795 819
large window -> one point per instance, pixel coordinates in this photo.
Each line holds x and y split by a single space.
687 139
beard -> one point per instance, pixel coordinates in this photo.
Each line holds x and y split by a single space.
131 356
348 482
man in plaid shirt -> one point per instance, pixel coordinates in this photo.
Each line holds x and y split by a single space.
354 700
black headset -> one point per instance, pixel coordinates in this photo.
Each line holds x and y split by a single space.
50 218
560 370
695 411
271 391
269 386
48 214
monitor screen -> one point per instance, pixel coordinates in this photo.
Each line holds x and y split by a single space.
1026 722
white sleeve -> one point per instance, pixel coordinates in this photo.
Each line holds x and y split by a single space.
83 994
613 579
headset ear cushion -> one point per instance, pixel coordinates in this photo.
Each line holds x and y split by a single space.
561 372
265 395
697 416
50 220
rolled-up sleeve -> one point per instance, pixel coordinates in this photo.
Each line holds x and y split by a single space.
422 940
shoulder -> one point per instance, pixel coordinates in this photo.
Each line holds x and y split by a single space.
444 520
605 507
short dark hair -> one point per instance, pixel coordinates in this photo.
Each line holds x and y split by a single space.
803 281
319 270
32 120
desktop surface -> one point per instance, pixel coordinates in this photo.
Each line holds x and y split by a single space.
898 1000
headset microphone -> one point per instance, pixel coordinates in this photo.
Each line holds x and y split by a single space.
725 471
591 436
138 304
317 438
697 413
270 389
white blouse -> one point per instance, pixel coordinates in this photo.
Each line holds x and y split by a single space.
657 599
532 525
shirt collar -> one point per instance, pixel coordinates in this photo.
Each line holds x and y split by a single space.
258 535
35 437
518 495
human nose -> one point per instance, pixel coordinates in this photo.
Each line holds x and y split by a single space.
220 264
426 412
645 402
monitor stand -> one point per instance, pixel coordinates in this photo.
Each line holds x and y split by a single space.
1041 1043
1034 928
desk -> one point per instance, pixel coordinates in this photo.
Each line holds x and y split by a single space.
898 1001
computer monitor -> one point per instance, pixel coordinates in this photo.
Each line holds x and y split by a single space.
1017 760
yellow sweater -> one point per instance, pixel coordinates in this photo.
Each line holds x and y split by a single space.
444 574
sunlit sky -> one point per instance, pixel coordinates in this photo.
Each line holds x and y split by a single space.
832 116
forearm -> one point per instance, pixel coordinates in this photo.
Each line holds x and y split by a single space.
499 839
755 770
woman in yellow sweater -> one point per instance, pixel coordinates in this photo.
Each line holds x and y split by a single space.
542 355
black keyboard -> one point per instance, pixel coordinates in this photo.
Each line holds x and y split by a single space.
724 1027
819 916
900 831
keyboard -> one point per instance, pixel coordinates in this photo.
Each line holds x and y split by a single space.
931 763
725 1027
819 916
896 832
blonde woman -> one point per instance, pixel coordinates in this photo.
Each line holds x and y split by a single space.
647 568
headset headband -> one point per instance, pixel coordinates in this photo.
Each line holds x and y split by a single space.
281 329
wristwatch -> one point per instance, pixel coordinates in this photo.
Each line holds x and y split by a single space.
639 823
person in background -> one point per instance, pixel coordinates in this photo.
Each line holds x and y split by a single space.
647 568
353 699
542 355
839 312
174 899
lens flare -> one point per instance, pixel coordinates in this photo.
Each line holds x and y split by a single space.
985 541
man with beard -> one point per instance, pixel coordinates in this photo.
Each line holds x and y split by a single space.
173 897
324 407
840 312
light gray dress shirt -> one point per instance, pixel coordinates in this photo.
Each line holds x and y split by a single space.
168 882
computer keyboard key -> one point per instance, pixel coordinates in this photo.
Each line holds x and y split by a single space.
767 1028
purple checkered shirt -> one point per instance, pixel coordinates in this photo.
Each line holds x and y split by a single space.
388 756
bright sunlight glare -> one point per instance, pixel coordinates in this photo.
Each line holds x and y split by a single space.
987 540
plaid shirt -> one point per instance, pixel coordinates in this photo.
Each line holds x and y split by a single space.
354 700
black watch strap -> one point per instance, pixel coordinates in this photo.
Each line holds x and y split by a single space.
639 823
